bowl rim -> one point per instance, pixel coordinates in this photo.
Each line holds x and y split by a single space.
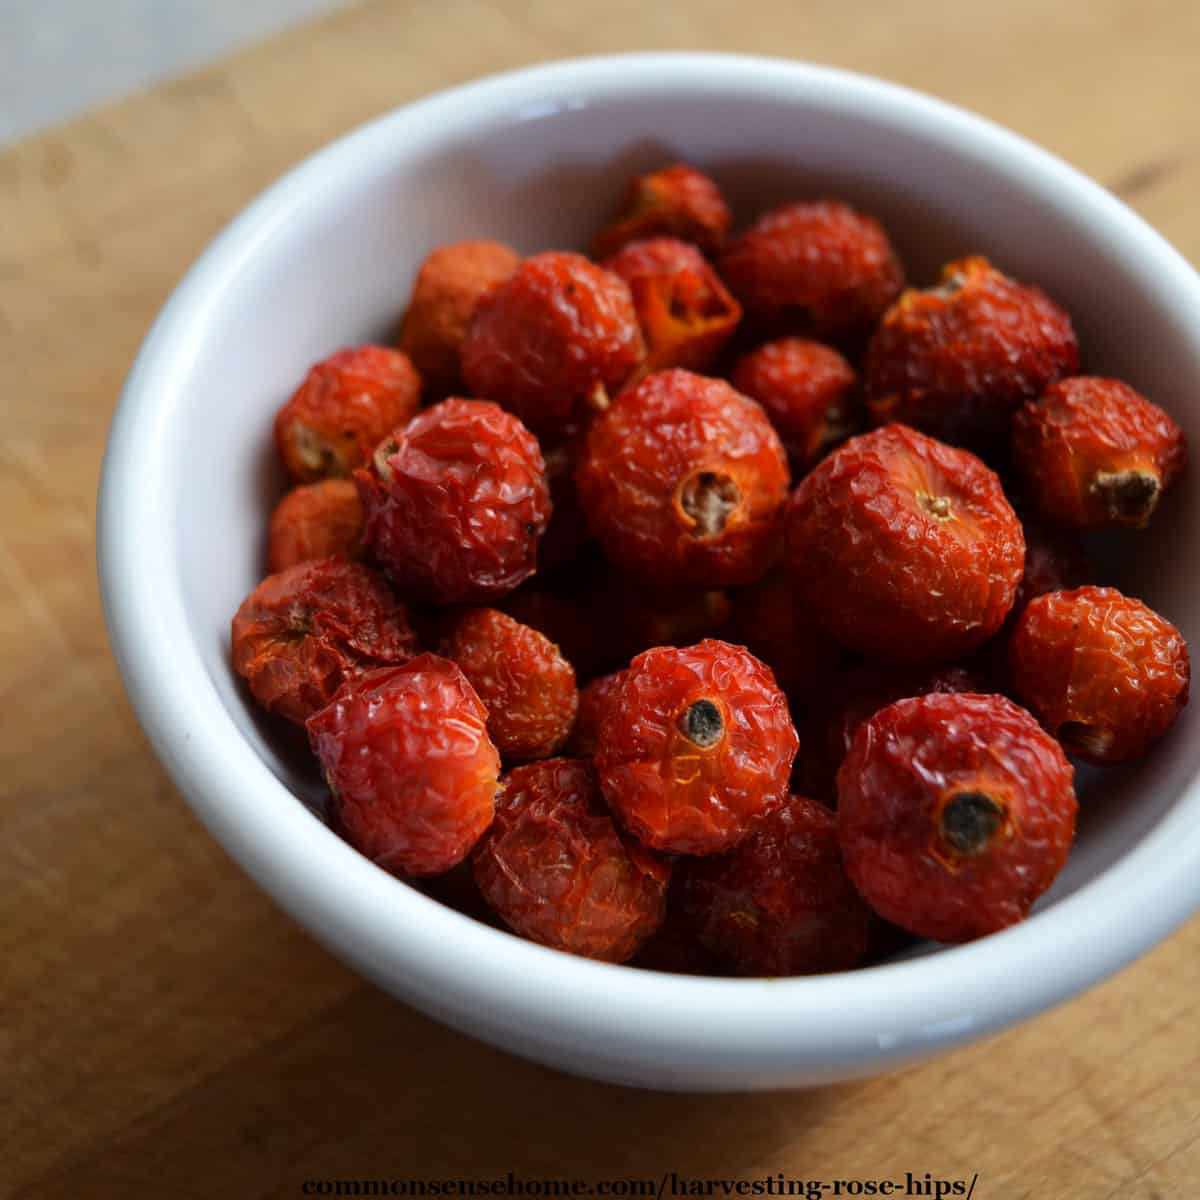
470 974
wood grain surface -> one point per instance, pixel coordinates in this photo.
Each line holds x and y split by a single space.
165 1031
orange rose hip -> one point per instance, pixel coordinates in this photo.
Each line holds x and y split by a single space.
682 481
346 403
904 548
315 520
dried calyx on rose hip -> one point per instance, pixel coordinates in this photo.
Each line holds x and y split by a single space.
819 268
1102 672
553 341
676 201
807 389
593 704
682 481
448 286
686 313
955 813
555 867
410 767
959 359
904 548
525 683
346 403
779 903
695 745
1094 452
315 520
456 502
302 633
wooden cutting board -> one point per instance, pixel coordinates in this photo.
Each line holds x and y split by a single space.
166 1031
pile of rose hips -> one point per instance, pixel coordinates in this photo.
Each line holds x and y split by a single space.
614 506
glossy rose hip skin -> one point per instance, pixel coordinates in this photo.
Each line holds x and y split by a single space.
346 403
955 812
1094 452
1104 673
554 866
682 481
455 503
301 634
412 771
904 548
779 903
695 746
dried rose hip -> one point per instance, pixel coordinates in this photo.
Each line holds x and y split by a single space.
808 391
564 615
593 703
821 267
676 201
554 866
955 813
1095 452
780 903
682 481
959 359
903 547
555 338
449 284
412 771
522 678
695 746
346 403
1105 674
315 520
304 632
685 311
456 502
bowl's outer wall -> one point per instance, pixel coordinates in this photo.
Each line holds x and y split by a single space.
326 261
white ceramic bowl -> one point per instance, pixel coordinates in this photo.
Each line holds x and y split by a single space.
325 258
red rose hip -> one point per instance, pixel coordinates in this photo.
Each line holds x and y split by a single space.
455 503
555 338
301 634
315 520
779 903
904 548
412 771
522 678
955 813
555 868
346 403
593 704
695 746
1094 452
682 481
1105 674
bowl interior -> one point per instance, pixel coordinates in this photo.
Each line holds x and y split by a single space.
333 266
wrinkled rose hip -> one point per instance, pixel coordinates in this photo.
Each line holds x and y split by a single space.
903 547
779 903
593 703
456 502
412 771
346 403
554 866
1105 674
808 391
818 267
682 481
959 359
522 678
955 813
301 634
315 520
556 338
677 201
686 313
448 286
1094 452
695 746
